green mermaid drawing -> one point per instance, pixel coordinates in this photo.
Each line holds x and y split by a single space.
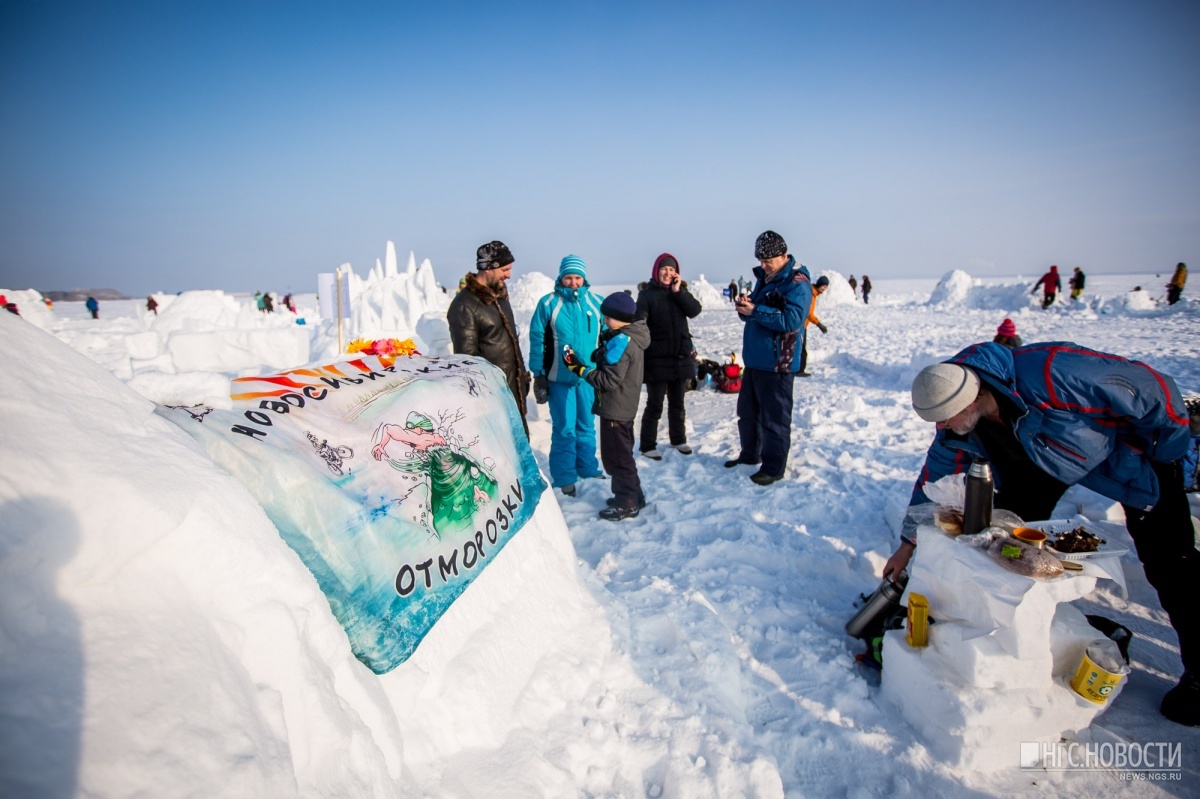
457 483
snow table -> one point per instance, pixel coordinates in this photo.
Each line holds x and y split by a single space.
1000 656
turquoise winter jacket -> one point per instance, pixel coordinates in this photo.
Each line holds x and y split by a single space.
564 316
774 332
1085 417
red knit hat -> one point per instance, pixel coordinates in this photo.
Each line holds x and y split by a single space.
1007 328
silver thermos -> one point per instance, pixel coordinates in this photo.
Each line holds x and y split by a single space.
977 509
885 600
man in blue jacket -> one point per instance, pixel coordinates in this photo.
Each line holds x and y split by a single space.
568 316
774 315
1053 415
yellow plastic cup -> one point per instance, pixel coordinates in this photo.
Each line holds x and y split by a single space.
1094 683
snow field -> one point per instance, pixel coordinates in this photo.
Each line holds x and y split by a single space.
159 637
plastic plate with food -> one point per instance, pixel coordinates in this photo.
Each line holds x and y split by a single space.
1072 539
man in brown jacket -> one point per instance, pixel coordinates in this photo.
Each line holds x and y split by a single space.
482 323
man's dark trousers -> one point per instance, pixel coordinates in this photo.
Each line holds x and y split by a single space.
764 410
1166 546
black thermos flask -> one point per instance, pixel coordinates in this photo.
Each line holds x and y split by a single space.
977 510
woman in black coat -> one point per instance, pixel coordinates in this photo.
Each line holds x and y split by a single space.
666 305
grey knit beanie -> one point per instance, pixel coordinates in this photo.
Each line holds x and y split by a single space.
943 390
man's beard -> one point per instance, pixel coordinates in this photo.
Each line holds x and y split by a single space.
970 419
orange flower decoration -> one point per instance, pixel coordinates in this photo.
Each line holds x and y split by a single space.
387 349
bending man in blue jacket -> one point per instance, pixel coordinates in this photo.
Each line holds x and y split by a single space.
774 315
568 316
1049 416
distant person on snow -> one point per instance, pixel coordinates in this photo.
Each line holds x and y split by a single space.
291 305
1175 287
666 305
268 303
819 288
866 288
482 323
569 316
772 338
1049 416
1006 334
93 306
617 378
854 286
151 304
1077 281
733 291
1051 284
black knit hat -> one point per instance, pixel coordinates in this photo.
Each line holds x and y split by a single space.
493 255
619 306
769 245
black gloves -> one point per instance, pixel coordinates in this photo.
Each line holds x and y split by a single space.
541 389
822 328
774 300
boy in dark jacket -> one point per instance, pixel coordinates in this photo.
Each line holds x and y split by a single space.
617 378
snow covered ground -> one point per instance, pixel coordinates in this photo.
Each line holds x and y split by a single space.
157 637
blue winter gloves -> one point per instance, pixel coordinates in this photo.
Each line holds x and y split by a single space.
572 362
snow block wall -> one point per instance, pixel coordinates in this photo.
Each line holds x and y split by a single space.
995 672
389 303
139 582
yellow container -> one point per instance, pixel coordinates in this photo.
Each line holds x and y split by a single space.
1094 683
918 620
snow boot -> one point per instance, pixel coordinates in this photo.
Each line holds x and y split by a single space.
763 479
617 513
739 462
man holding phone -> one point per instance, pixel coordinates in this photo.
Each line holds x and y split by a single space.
774 314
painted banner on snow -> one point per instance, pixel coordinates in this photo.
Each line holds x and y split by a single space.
395 484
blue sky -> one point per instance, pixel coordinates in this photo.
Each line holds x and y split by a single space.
170 145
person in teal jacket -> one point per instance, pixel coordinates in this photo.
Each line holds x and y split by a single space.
569 316
774 315
1048 416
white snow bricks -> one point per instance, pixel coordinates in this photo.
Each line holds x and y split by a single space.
1000 656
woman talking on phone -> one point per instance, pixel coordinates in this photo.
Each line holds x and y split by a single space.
666 305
